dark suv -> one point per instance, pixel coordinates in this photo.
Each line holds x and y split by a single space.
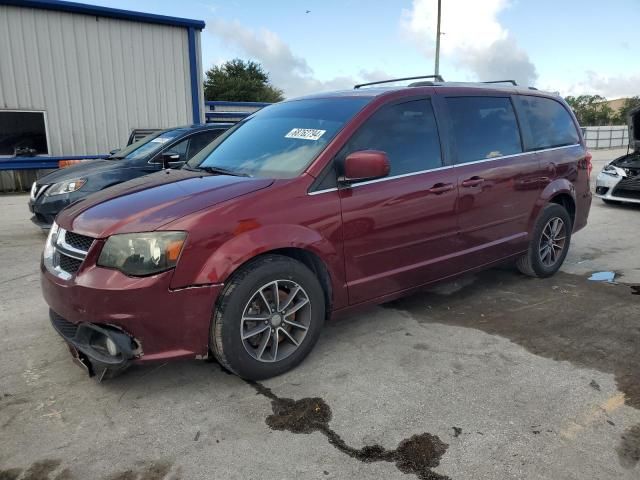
311 208
54 191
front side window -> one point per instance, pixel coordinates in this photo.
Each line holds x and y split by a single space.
483 128
23 133
546 123
149 145
201 140
406 132
281 140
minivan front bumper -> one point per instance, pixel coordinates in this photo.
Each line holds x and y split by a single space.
146 318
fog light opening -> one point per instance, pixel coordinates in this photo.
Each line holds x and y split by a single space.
112 348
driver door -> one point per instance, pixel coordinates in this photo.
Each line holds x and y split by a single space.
400 230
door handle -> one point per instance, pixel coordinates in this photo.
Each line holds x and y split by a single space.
472 182
439 188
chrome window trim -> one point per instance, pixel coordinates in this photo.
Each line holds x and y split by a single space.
324 190
403 175
420 172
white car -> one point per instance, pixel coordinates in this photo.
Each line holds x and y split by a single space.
619 181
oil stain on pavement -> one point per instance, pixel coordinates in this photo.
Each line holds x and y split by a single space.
418 454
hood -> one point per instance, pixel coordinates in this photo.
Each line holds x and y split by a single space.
147 203
633 122
84 169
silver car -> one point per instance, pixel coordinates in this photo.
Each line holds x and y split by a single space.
619 180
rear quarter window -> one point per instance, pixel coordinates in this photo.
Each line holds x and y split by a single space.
483 128
546 123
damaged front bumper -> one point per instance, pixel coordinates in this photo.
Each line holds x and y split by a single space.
99 349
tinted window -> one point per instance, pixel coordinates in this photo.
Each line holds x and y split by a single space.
149 145
201 140
406 132
282 139
483 127
546 123
22 133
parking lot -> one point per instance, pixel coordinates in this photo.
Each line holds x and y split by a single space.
495 375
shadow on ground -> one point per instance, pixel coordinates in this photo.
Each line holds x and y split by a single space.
565 318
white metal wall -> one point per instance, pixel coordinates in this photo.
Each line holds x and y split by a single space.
97 78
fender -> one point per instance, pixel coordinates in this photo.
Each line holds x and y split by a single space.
556 187
239 249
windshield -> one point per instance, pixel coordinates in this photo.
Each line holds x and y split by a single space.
147 145
281 140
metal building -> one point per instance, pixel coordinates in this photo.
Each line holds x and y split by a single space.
75 79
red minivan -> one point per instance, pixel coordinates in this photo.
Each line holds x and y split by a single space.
310 208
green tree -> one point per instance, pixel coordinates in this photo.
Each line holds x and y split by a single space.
591 110
628 105
240 81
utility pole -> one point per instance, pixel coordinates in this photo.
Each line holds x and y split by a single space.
437 69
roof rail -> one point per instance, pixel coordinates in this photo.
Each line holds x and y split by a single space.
512 82
436 77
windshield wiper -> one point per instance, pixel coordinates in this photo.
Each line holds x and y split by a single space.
223 171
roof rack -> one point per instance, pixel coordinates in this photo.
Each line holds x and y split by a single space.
512 82
438 78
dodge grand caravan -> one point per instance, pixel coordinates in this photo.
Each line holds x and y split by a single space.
311 208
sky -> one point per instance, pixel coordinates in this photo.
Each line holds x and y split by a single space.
570 46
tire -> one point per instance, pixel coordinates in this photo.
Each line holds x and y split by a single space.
241 310
544 260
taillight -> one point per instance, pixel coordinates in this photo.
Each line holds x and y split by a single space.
587 161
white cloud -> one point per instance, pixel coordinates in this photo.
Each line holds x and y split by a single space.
608 86
473 38
287 71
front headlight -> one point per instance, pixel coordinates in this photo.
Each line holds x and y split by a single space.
67 186
142 254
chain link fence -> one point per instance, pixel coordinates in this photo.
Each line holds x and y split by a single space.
606 137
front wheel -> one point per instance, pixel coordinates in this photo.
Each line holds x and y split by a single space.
268 317
548 244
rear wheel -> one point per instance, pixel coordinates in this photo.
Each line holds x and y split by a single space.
268 317
549 243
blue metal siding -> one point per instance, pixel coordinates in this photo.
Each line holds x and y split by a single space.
73 7
195 83
36 163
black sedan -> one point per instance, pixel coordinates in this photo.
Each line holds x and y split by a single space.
166 148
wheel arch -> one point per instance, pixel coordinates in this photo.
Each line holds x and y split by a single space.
294 241
562 192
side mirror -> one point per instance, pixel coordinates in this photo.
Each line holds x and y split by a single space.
365 165
170 157
114 151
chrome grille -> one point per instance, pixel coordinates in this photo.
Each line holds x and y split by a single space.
78 241
65 251
68 264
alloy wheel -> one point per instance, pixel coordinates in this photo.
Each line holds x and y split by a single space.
552 241
275 320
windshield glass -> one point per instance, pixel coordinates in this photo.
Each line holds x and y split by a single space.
279 141
148 145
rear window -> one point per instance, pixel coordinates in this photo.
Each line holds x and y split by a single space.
545 123
483 128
